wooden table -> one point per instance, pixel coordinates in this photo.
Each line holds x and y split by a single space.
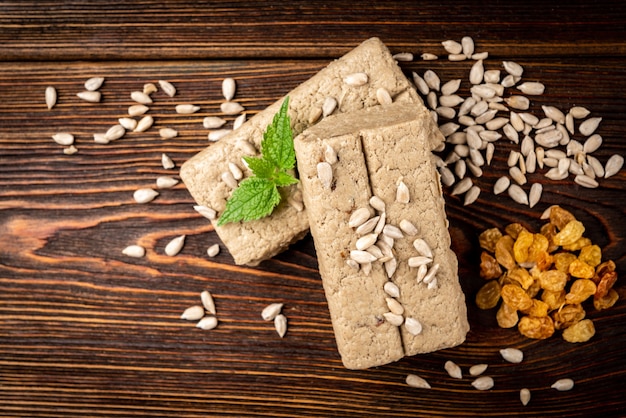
88 332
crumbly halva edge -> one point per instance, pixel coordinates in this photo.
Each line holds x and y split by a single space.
376 147
252 242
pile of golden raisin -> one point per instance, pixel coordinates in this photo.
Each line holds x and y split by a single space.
544 278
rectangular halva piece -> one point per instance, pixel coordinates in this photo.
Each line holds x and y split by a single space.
252 242
377 149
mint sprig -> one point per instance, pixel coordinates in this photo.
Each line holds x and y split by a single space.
258 195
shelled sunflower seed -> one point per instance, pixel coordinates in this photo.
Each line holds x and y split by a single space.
498 107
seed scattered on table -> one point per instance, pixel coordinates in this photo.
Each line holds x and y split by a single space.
524 396
167 162
563 385
453 369
280 323
51 97
207 323
175 246
207 301
415 381
145 195
213 250
478 369
512 355
193 313
271 311
136 251
63 138
168 88
229 87
90 96
483 383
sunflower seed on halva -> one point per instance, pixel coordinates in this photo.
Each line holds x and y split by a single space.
325 174
136 251
393 319
413 326
207 323
145 195
383 97
391 289
408 227
51 97
356 79
207 301
218 134
175 246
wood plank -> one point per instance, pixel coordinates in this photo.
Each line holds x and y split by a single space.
78 30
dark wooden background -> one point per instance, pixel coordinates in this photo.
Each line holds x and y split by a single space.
88 332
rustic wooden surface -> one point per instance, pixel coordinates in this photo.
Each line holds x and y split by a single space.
86 331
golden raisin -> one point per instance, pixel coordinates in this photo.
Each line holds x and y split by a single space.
580 291
537 248
489 267
560 217
539 308
488 295
606 283
534 289
606 301
504 252
568 315
581 270
579 332
602 269
488 238
522 243
515 297
563 260
549 231
591 254
553 280
578 244
554 300
536 327
514 230
569 234
544 260
521 276
506 316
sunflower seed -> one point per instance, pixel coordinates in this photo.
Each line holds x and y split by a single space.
483 383
51 97
144 195
431 101
207 301
231 108
218 134
420 83
524 396
415 381
228 88
429 57
446 112
513 68
394 306
168 88
480 55
63 138
419 261
563 384
271 311
362 257
377 203
517 175
402 193
569 123
90 96
596 166
450 100
175 246
496 123
452 47
128 123
207 323
421 273
554 173
403 56
447 177
477 72
430 275
535 194
586 169
167 162
228 178
144 124
531 88
366 241
94 83
512 355
325 174
280 323
489 136
510 81
501 185
71 150
99 138
213 250
168 133
589 126
114 132
368 226
554 113
432 80
467 46
518 194
477 369
413 326
463 186
392 231
563 165
549 139
492 76
137 110
393 319
358 217
186 109
460 168
471 196
613 165
579 112
356 79
149 88
453 369
213 122
483 91
518 102
585 181
165 182
591 144
136 251
140 97
193 313
366 268
450 87
529 118
489 152
329 106
392 289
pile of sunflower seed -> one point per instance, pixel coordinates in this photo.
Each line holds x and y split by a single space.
559 142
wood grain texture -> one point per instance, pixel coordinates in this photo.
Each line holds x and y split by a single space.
86 331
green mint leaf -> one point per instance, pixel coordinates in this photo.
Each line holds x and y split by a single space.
282 178
255 198
260 167
277 144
